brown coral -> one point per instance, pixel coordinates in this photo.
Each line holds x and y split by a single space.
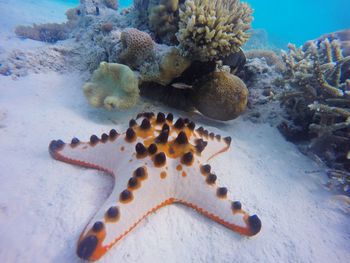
50 32
209 29
137 47
220 95
271 58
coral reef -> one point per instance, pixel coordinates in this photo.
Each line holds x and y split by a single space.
220 95
170 65
163 20
318 102
212 28
50 32
272 59
137 47
113 86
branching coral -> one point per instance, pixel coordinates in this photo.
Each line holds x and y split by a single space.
113 86
50 32
209 29
319 102
137 47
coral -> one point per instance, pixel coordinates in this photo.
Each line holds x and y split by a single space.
113 4
107 27
73 14
212 28
319 101
137 47
220 95
271 58
113 86
163 19
171 65
50 32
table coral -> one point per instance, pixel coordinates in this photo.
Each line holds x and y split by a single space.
137 47
220 95
212 28
113 86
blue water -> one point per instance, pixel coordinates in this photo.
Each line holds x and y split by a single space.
296 21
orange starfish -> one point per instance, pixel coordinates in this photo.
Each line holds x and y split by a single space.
155 163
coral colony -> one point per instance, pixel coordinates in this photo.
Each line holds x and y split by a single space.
189 54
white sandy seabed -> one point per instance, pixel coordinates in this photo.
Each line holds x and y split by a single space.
45 204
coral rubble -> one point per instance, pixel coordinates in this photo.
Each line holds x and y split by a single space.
212 28
318 102
113 86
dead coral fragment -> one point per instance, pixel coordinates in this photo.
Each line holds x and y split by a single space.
220 95
137 47
212 28
50 32
113 86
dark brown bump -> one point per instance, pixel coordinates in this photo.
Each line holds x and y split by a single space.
140 149
200 145
236 205
112 134
179 124
218 136
162 137
98 226
191 125
165 127
186 120
211 135
221 192
187 158
170 117
104 137
148 115
160 159
254 224
139 115
140 172
94 139
211 178
74 141
146 124
125 196
130 134
87 247
200 130
133 182
113 212
132 123
228 140
205 169
152 149
181 138
160 117
205 133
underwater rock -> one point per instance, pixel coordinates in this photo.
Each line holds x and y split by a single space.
212 29
112 86
220 95
137 47
271 58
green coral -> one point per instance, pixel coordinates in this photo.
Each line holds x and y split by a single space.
113 86
209 29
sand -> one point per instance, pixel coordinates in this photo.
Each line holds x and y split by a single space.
45 204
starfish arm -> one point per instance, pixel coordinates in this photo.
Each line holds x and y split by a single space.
93 154
201 192
134 197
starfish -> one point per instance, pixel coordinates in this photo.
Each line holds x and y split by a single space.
156 162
